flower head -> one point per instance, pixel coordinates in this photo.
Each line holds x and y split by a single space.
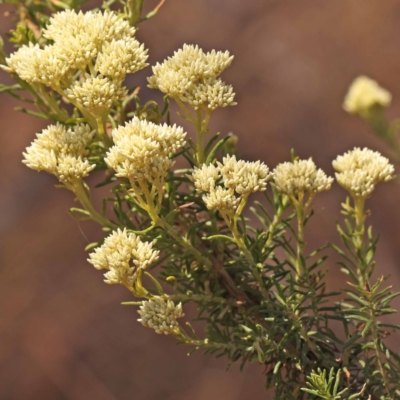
243 176
161 315
35 65
210 93
70 167
142 149
205 178
358 171
238 176
300 176
364 94
95 27
191 75
123 254
104 42
61 152
221 199
120 57
96 94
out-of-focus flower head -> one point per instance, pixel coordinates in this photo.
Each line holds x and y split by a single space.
363 95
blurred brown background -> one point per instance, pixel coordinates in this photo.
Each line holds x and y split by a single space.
63 334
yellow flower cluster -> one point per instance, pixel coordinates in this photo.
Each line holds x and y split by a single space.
123 254
62 152
96 94
192 76
100 43
161 315
358 171
300 176
364 94
142 149
238 176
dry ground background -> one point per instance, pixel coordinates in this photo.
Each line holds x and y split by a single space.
63 334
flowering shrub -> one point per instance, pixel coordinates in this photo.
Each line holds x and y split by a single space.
178 236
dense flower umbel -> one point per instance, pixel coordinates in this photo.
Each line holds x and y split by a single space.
96 94
364 94
191 75
123 254
211 93
36 65
238 176
300 176
244 177
142 149
358 171
161 315
121 57
100 42
61 152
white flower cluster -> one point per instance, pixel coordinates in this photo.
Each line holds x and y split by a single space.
161 315
116 254
358 171
102 42
300 176
238 176
192 76
35 65
142 149
61 151
364 94
96 94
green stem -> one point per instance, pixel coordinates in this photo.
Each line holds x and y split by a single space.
82 196
359 205
359 233
89 117
300 211
107 141
207 343
273 225
359 212
162 223
201 128
187 114
378 121
378 352
252 264
200 297
134 11
200 138
60 114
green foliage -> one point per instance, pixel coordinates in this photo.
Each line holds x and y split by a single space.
259 291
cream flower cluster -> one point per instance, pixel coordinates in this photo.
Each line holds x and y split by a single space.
192 76
300 176
102 42
35 65
123 254
96 94
61 151
161 315
358 171
238 176
142 149
364 94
